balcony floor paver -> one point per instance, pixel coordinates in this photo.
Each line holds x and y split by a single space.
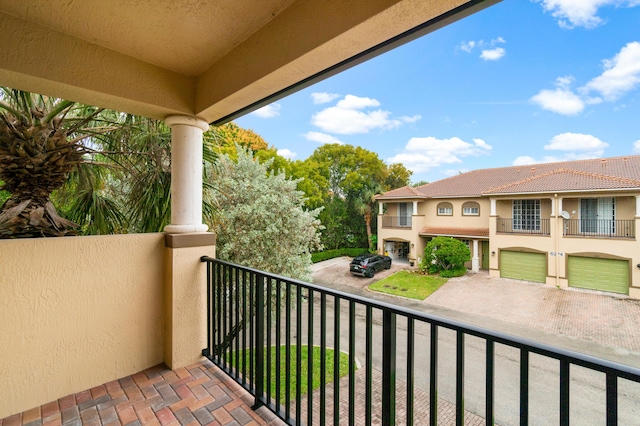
198 394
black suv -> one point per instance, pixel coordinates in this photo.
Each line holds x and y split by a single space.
367 264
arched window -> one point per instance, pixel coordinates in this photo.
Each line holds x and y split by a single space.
470 208
445 209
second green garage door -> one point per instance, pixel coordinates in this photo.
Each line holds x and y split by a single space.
599 274
523 266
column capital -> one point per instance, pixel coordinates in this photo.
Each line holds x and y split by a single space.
186 120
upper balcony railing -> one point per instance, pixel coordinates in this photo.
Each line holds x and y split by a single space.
517 226
396 221
267 332
600 228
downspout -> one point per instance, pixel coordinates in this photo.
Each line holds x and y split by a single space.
556 241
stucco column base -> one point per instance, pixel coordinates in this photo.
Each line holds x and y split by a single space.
185 297
475 264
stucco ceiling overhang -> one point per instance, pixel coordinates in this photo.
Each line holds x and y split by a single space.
214 59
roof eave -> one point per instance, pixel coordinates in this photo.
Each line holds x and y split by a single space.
560 191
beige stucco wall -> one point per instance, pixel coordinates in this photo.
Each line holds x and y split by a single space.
185 305
457 220
616 248
77 312
625 207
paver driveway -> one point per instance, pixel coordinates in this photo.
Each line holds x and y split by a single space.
595 323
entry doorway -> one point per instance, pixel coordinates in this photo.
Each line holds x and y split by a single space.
485 255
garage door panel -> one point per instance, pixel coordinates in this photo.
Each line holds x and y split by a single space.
523 266
599 274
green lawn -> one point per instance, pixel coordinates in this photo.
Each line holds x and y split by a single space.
409 284
344 369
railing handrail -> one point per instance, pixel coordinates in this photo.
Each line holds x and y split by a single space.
625 371
610 228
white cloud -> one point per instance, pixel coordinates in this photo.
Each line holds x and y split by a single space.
622 73
490 52
524 160
323 97
422 154
268 111
562 101
322 138
581 13
350 116
636 146
577 142
357 102
411 119
286 153
468 46
493 54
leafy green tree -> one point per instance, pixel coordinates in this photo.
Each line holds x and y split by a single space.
352 174
398 177
446 255
261 220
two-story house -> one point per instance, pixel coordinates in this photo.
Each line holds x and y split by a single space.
565 224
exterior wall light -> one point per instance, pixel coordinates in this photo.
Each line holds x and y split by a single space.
493 253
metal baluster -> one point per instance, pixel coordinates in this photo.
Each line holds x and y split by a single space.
388 368
459 378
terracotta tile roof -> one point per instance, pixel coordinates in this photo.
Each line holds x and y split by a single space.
466 232
565 180
581 175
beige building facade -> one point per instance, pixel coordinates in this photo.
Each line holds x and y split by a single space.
567 224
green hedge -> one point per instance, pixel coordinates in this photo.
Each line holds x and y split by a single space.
451 273
330 254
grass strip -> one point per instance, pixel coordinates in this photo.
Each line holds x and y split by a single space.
408 284
303 365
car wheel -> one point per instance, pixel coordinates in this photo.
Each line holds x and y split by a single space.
371 273
388 266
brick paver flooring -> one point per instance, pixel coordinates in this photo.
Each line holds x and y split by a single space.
202 394
198 394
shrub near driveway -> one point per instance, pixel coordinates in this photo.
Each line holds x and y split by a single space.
409 284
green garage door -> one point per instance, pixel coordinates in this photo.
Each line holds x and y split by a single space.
523 266
599 274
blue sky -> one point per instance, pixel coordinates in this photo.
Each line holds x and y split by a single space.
521 82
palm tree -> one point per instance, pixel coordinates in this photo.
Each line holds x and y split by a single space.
110 172
42 140
365 203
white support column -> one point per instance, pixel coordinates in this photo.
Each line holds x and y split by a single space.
475 259
559 205
186 174
637 205
553 207
380 208
493 207
415 207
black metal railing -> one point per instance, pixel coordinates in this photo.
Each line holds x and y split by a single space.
405 355
516 226
600 228
396 221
